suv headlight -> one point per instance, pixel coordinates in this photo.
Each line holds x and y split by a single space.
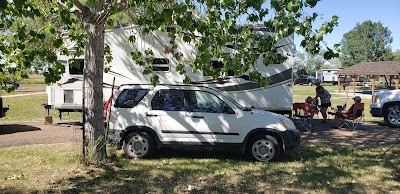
287 123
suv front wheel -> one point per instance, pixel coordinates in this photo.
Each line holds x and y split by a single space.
263 148
138 145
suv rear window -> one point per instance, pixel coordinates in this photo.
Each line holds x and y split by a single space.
129 98
169 100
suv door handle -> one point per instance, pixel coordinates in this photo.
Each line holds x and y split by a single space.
151 115
198 117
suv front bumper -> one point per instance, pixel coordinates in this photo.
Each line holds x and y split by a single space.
291 139
376 109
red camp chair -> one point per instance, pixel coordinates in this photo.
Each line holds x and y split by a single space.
302 112
351 121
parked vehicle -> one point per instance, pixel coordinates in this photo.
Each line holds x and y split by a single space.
66 94
327 76
386 104
142 118
307 79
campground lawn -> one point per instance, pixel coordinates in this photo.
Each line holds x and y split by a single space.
307 169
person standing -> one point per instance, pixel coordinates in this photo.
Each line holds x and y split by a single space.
325 98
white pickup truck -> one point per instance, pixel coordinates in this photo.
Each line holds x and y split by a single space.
386 104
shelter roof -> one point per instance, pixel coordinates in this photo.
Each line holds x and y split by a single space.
372 68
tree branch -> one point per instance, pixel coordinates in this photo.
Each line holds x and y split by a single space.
79 5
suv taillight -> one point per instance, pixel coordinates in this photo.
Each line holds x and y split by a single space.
107 106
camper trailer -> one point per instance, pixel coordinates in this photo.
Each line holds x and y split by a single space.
66 94
327 76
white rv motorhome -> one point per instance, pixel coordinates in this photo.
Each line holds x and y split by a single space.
327 76
66 95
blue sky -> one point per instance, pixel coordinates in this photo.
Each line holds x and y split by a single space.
351 12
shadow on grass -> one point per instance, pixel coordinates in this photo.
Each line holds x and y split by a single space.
16 128
330 169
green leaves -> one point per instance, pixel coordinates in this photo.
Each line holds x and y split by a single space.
368 41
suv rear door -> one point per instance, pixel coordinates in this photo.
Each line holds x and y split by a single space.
169 115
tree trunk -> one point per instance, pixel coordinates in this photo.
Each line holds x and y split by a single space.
94 133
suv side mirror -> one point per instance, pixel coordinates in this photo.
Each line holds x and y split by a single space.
228 110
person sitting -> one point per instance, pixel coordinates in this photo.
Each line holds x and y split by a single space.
314 103
345 113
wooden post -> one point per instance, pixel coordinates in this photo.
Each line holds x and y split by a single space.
338 83
390 80
353 78
373 84
397 82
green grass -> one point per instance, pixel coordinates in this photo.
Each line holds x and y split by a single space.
33 79
29 108
308 169
36 168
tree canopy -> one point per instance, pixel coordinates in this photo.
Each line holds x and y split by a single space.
368 41
217 22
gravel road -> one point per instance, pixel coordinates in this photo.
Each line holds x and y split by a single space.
27 133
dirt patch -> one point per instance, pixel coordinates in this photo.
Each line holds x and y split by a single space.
366 134
28 133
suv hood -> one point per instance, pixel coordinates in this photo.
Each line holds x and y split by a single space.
264 119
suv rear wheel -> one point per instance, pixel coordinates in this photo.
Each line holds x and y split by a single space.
392 116
263 148
138 145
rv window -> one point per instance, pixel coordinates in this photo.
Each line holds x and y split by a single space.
68 96
218 65
160 64
160 61
171 29
76 66
160 68
129 98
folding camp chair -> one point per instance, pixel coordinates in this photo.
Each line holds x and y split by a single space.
351 121
303 115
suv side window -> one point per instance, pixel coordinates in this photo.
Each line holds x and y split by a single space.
169 100
201 101
129 98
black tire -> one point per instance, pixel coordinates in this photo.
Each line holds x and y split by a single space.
263 148
392 116
139 145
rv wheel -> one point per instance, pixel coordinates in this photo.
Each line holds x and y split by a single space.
139 145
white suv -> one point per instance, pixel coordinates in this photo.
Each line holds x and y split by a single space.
143 118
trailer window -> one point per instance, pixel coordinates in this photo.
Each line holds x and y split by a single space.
129 98
160 64
215 64
68 96
76 66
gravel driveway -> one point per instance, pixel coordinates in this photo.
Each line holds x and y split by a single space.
27 133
